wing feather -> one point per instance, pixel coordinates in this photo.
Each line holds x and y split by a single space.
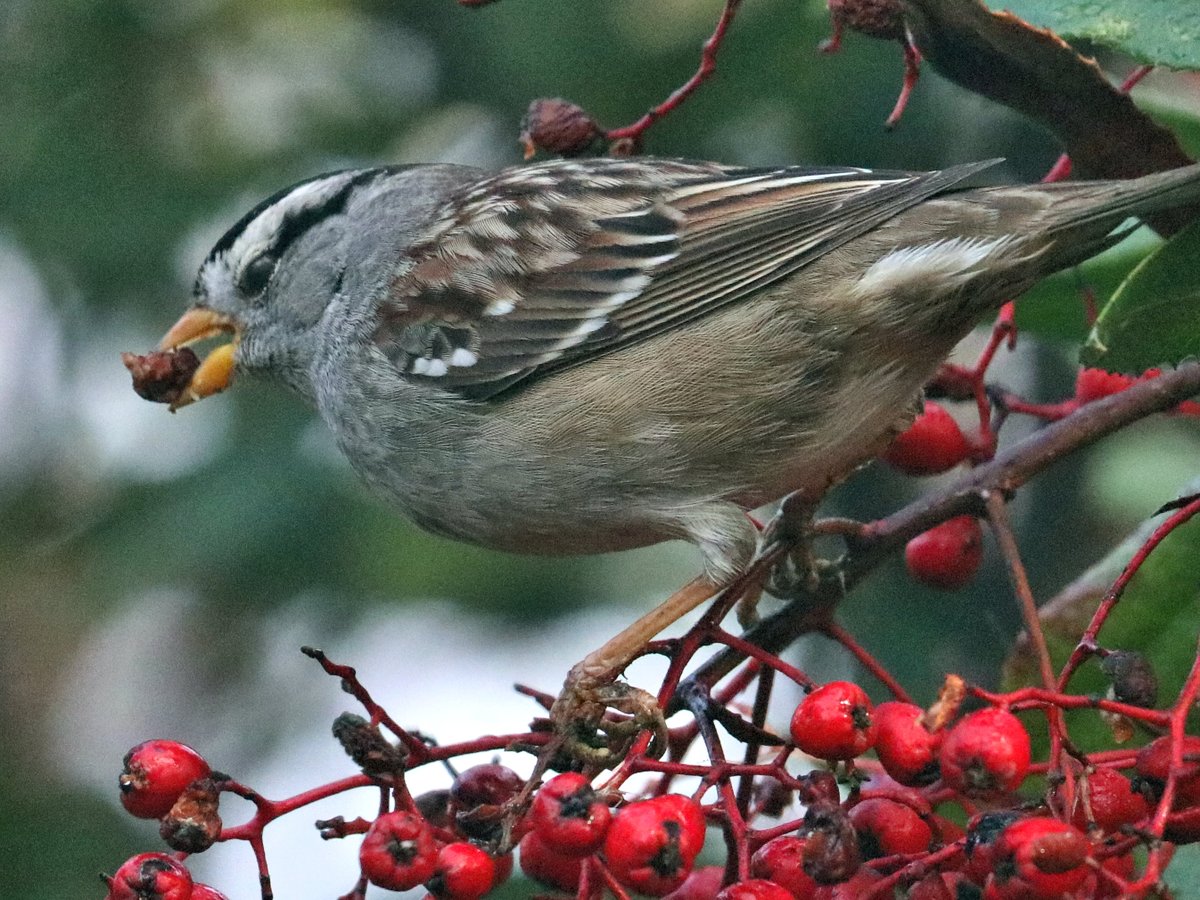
542 267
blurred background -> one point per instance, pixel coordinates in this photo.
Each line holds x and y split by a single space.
158 572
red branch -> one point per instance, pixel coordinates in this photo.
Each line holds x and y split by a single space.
634 132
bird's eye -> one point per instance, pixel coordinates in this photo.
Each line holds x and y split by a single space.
256 274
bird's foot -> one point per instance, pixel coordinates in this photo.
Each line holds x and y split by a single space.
802 573
584 722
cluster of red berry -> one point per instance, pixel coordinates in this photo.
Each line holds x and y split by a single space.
948 555
849 843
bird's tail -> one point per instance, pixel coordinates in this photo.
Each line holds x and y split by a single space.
1099 208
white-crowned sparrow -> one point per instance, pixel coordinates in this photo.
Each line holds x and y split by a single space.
584 356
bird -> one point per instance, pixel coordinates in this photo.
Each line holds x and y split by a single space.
581 356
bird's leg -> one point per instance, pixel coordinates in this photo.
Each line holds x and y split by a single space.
799 571
591 687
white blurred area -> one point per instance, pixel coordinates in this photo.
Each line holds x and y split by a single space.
74 415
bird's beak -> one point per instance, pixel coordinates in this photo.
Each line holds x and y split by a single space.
216 371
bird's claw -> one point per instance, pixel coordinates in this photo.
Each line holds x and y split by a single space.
596 739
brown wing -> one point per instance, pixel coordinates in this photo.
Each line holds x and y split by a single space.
546 266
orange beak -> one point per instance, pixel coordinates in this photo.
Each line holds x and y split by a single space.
216 371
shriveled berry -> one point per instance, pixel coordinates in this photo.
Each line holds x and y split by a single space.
1133 678
831 854
365 744
194 822
882 19
155 774
1045 856
398 851
834 722
151 876
948 555
651 845
987 753
933 443
781 860
463 872
569 816
1112 800
887 828
906 748
161 376
549 866
703 884
755 889
557 126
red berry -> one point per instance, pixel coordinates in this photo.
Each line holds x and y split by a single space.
398 851
490 783
652 844
690 816
1112 800
206 892
478 797
834 722
1154 761
1093 384
781 860
151 876
156 773
985 754
1122 866
703 884
948 555
1041 857
906 748
935 886
933 443
463 872
549 866
568 815
852 889
756 889
983 840
886 828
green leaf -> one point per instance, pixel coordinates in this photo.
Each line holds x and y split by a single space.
1054 309
1158 615
1154 317
1163 32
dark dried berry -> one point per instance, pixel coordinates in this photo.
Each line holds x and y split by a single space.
1133 678
831 845
882 19
194 823
557 126
364 744
161 376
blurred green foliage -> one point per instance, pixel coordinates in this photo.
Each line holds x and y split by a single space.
132 131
